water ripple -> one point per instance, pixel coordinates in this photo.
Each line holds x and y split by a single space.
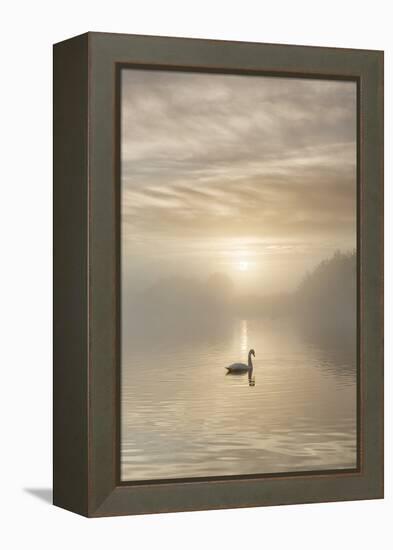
183 417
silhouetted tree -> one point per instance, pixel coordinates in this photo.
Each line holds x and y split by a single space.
326 298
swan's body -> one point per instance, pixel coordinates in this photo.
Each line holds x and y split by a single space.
240 368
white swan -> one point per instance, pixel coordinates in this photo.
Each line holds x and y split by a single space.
239 368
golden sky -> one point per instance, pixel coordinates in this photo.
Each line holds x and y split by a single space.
250 176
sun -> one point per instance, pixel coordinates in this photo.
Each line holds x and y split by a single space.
243 265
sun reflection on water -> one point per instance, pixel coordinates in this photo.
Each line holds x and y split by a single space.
243 336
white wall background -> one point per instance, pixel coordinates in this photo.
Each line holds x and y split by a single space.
27 31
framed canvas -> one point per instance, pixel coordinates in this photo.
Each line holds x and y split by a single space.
218 274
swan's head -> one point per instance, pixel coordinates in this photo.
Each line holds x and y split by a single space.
252 352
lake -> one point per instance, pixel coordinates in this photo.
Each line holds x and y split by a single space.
182 416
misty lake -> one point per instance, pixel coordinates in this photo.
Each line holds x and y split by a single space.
182 416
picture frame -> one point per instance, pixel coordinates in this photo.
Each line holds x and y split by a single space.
86 381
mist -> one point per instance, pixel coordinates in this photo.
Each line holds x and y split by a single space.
323 306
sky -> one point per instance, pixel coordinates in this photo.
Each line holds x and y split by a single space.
253 177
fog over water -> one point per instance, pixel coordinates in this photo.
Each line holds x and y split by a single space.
238 231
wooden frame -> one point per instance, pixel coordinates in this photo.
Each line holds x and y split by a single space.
86 274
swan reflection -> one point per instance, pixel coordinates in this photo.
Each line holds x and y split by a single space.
239 374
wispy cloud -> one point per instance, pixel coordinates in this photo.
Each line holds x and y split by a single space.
211 158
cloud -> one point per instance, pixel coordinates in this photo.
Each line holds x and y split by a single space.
212 157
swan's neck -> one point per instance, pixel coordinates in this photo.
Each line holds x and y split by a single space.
249 361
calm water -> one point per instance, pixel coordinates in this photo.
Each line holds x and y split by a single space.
182 416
